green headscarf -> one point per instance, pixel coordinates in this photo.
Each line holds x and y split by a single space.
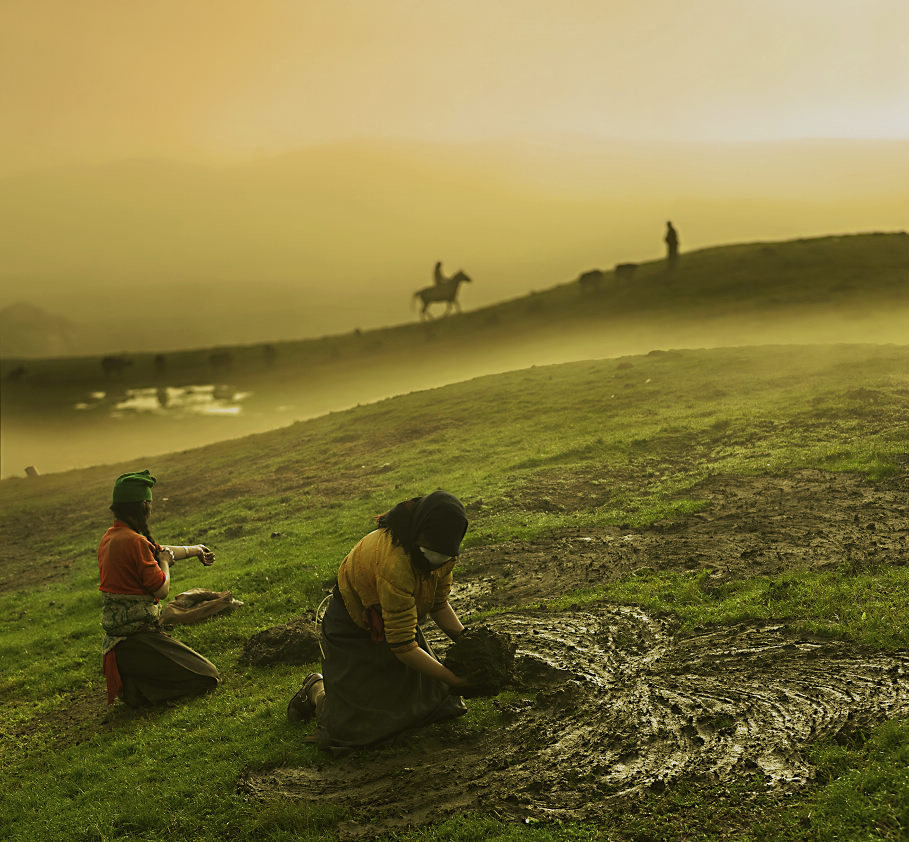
133 487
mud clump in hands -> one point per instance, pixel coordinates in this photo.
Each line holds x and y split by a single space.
484 658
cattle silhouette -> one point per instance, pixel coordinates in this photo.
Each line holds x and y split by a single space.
625 271
591 281
115 364
221 362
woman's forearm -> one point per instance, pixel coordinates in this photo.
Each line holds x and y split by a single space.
164 558
181 553
423 662
446 619
199 551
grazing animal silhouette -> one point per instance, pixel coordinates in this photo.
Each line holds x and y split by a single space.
221 361
591 281
446 290
114 365
625 270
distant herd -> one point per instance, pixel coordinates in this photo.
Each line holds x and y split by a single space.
114 365
221 361
592 281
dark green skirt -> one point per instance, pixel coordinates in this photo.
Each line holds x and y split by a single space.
155 667
369 694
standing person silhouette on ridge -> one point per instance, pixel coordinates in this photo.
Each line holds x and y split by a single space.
672 246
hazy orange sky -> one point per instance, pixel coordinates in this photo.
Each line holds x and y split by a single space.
101 79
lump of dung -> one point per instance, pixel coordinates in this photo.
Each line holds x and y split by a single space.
483 657
296 642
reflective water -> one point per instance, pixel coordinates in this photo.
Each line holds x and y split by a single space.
207 399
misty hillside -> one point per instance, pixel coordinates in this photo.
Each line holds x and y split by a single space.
69 412
711 297
333 238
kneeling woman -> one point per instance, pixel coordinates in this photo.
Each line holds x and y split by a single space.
380 675
142 663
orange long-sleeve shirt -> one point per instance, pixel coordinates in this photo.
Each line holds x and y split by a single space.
376 573
126 562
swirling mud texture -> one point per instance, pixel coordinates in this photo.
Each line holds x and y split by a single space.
612 703
615 706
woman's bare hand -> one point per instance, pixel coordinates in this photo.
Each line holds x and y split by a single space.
206 556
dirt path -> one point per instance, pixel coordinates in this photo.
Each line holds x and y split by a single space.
622 705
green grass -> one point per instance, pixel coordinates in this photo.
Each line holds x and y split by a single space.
865 781
582 444
870 609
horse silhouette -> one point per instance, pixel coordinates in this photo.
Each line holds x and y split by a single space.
446 290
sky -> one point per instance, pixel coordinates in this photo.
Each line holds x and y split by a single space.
262 170
331 151
96 80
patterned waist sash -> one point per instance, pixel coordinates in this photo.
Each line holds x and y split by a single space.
126 614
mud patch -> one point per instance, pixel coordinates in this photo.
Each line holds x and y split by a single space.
76 718
754 526
616 706
484 657
296 642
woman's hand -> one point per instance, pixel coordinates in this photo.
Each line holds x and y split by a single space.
165 555
469 690
204 554
421 661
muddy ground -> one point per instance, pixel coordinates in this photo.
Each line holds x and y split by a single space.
753 526
623 705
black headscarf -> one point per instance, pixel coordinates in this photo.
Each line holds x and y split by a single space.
439 517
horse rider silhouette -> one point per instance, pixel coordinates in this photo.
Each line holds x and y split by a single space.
445 290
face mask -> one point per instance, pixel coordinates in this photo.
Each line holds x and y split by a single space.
436 560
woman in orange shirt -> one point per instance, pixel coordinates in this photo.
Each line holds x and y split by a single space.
379 674
142 663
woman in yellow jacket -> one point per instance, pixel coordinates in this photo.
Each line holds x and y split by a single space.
379 675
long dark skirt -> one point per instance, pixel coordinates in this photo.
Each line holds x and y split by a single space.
155 667
369 694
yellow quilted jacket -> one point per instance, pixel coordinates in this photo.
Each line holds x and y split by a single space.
377 574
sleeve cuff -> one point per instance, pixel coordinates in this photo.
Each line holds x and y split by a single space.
401 648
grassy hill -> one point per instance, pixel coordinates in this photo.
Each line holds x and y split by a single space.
758 492
831 289
325 239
